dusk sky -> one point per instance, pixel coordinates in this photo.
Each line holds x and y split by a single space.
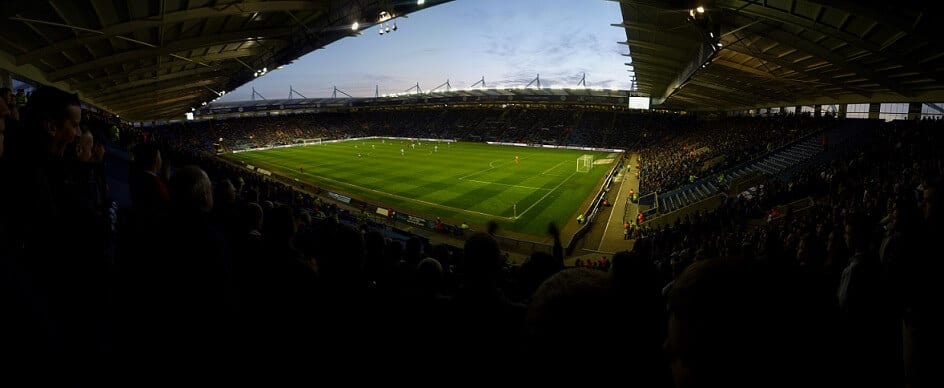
507 41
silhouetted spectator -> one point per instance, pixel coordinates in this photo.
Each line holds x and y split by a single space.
736 324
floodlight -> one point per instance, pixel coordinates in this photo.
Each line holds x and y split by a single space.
420 2
700 9
355 26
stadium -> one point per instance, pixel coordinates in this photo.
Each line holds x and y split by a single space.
730 193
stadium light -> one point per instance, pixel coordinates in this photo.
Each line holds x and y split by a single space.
700 9
355 26
420 2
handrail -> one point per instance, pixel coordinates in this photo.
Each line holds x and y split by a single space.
661 215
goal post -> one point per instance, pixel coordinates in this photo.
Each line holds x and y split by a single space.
584 163
308 141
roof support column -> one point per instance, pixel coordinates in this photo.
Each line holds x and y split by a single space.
914 110
874 110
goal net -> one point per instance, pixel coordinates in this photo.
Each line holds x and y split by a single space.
308 141
584 163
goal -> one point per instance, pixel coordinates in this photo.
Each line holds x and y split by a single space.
308 141
584 163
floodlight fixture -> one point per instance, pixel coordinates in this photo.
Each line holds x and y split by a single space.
355 26
700 9
420 2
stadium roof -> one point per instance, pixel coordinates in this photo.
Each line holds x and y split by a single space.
158 58
547 96
784 52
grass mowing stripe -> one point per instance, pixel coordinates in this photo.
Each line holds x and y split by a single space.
427 181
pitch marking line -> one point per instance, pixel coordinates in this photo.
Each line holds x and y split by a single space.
491 167
545 195
506 184
609 219
436 205
552 168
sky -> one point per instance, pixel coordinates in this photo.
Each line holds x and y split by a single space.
507 41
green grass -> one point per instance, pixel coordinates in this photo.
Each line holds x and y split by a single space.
470 182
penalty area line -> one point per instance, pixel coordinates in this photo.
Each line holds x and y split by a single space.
506 184
408 199
545 195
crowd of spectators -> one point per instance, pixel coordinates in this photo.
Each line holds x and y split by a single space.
211 272
702 149
565 127
861 252
674 148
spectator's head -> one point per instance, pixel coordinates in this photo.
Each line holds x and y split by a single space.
302 219
572 301
224 194
483 259
429 274
84 147
147 157
251 216
190 190
731 325
55 115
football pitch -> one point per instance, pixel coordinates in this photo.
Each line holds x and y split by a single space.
460 182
